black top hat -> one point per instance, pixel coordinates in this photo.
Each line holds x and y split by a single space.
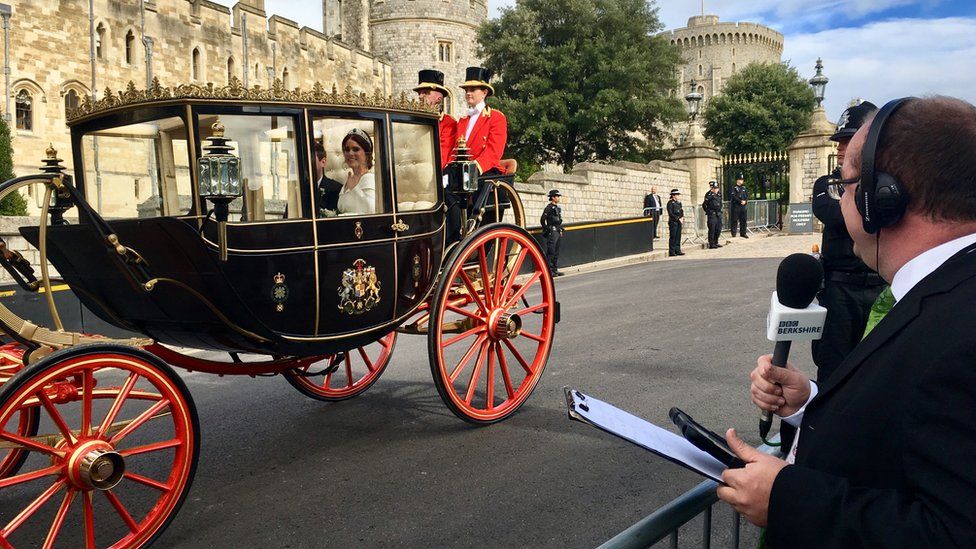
713 185
478 77
554 192
852 119
675 191
431 79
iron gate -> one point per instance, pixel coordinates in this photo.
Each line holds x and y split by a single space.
766 176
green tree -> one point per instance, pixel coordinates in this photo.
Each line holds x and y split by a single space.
581 80
763 107
14 203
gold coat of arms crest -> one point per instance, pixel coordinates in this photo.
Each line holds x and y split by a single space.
360 289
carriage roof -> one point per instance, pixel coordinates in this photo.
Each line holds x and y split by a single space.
235 93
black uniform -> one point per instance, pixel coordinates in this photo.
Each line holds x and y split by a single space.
675 214
713 214
328 190
850 287
552 231
737 210
653 203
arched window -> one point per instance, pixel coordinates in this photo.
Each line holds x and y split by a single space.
100 45
230 68
733 67
25 110
195 64
701 71
708 40
130 47
701 90
71 101
257 72
284 78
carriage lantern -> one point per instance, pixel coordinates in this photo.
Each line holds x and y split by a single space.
220 174
462 174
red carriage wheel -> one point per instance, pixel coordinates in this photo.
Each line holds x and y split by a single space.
346 374
117 455
492 323
11 362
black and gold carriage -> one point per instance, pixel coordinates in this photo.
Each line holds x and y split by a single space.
192 218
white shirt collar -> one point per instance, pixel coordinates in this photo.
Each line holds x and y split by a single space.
925 263
479 107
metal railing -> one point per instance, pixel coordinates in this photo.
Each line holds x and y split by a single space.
668 520
762 216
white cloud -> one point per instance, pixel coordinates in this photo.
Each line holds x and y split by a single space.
890 59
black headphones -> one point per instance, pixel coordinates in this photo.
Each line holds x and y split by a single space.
882 198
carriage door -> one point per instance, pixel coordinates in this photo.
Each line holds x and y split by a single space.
353 211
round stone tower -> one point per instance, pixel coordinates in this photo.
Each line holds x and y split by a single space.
427 34
713 51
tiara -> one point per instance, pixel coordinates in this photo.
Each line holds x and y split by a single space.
360 133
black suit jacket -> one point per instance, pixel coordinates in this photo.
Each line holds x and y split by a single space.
887 450
328 193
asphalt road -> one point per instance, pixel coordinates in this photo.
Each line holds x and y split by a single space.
394 467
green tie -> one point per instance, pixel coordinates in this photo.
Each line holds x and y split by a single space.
879 309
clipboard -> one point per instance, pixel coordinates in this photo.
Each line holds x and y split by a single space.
664 443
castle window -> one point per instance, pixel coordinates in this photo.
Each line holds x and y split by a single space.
257 71
230 68
100 41
130 43
284 78
71 101
699 54
195 64
701 71
25 113
445 51
733 52
733 67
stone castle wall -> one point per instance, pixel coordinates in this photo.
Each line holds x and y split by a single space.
49 56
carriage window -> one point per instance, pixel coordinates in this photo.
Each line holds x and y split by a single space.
269 165
416 176
348 181
139 170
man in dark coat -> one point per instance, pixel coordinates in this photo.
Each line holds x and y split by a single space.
850 287
883 456
653 209
327 189
676 216
738 199
713 214
552 230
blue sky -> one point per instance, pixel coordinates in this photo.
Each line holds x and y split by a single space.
874 49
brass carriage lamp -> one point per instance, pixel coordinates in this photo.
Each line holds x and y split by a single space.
219 173
462 174
819 83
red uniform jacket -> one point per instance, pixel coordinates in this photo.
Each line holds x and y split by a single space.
487 139
448 131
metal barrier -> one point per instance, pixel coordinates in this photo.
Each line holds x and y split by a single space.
666 521
762 216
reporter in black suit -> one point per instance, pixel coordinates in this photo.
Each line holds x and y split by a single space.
885 451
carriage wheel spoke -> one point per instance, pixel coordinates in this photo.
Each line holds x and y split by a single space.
521 291
467 356
154 447
369 363
349 379
29 511
490 390
89 517
28 477
463 335
485 282
121 510
518 356
503 366
29 443
130 382
139 420
476 373
474 293
538 338
516 267
87 387
461 311
52 534
501 254
532 309
146 481
56 417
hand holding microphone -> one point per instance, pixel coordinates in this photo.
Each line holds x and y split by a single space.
782 390
792 317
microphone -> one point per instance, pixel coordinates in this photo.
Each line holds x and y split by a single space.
792 316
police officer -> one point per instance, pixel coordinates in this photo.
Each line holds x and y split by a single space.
850 287
713 214
737 207
552 230
676 215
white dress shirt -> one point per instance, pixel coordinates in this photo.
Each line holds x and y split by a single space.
473 114
907 277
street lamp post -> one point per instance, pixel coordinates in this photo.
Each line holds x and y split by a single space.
819 83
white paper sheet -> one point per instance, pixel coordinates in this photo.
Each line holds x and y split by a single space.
642 433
